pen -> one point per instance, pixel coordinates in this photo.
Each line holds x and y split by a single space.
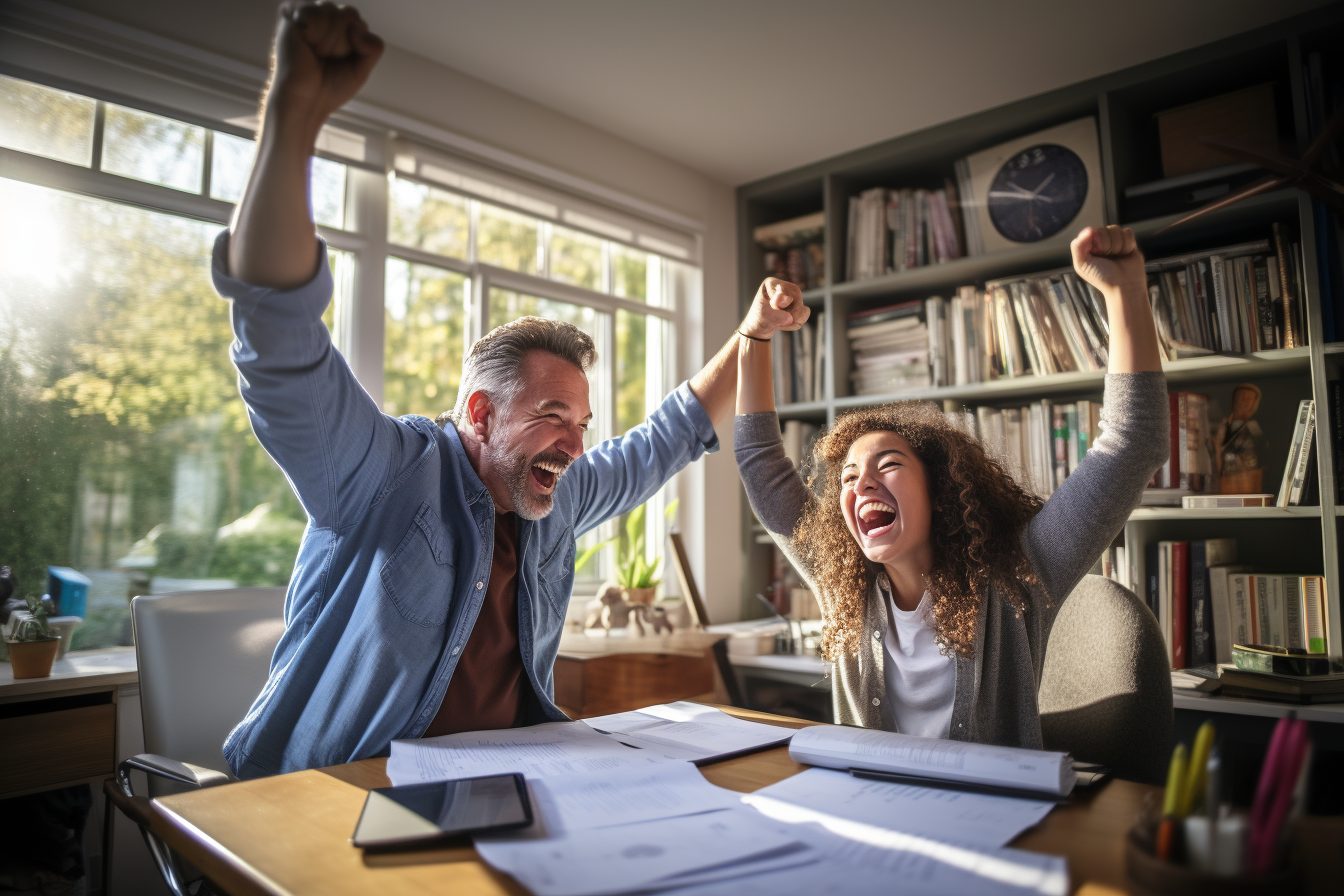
1170 803
1296 747
1196 777
1264 790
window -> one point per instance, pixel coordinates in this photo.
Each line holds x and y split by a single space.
117 395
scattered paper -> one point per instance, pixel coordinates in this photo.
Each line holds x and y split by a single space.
555 748
837 746
626 796
690 731
974 818
655 855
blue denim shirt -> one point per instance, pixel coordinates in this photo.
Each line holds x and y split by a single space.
392 570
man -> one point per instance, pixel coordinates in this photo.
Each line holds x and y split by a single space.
430 590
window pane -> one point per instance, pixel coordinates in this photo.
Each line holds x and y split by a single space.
425 338
427 218
152 148
120 404
576 258
328 190
230 163
630 272
342 266
642 354
46 122
506 306
508 240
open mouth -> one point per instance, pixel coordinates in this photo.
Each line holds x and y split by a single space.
545 474
875 518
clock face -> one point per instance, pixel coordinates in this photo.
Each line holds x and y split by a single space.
1037 193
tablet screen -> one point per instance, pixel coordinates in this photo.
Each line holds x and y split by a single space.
395 815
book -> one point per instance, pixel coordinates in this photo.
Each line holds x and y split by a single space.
1267 686
1312 593
934 759
1290 467
1230 626
1180 603
1205 502
1204 555
1304 453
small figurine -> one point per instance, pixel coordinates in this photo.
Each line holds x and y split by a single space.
1239 470
648 620
608 610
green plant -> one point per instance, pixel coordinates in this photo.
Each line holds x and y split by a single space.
34 628
633 570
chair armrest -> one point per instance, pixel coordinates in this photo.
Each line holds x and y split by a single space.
181 772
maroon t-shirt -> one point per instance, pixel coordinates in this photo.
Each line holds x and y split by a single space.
484 690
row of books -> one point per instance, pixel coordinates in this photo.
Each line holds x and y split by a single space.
1324 90
1039 444
897 230
795 249
798 362
890 348
1054 322
798 438
1243 298
1205 602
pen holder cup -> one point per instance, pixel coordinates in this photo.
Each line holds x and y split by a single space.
1150 876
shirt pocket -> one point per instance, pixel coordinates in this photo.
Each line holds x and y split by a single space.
418 575
555 573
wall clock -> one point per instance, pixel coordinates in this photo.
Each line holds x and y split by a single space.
1039 187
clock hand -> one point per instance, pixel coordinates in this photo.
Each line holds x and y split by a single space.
1025 197
1044 183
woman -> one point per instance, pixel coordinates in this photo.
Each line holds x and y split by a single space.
938 576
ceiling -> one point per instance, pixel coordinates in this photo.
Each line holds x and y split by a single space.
740 90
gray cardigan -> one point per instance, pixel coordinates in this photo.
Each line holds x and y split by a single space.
995 700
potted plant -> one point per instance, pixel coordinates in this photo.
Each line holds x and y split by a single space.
32 646
635 574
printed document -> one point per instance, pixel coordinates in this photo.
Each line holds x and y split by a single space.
554 748
690 731
625 796
654 855
836 746
977 819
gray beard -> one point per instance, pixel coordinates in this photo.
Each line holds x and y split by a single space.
516 469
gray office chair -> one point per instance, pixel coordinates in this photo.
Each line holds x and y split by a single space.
203 657
1105 693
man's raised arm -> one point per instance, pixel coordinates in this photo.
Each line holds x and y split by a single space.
323 54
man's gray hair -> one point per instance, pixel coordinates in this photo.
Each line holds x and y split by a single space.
494 364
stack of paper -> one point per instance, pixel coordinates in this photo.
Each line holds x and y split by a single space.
555 748
689 731
836 746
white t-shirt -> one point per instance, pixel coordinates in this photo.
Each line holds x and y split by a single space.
921 681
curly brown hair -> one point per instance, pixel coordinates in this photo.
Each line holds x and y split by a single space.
978 514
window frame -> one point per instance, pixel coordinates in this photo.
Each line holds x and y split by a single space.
360 329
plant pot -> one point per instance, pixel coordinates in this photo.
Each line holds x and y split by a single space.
640 595
32 659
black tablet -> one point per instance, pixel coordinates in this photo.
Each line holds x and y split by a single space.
415 813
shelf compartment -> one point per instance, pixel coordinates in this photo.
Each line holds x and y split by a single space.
1278 362
803 410
1225 513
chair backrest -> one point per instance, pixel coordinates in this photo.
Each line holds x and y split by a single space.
1105 693
203 658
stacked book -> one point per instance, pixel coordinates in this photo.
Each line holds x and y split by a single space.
1040 444
795 249
1190 463
1243 298
890 348
1205 603
896 230
798 361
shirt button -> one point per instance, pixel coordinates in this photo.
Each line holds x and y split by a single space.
480 585
877 636
457 650
876 701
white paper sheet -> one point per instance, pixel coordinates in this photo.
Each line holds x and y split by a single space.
690 731
861 859
837 746
555 748
973 818
649 856
626 796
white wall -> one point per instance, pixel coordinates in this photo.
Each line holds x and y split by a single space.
442 97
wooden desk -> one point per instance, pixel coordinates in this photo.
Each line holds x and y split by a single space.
597 676
290 834
61 730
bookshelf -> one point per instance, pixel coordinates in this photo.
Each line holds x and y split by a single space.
1124 104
